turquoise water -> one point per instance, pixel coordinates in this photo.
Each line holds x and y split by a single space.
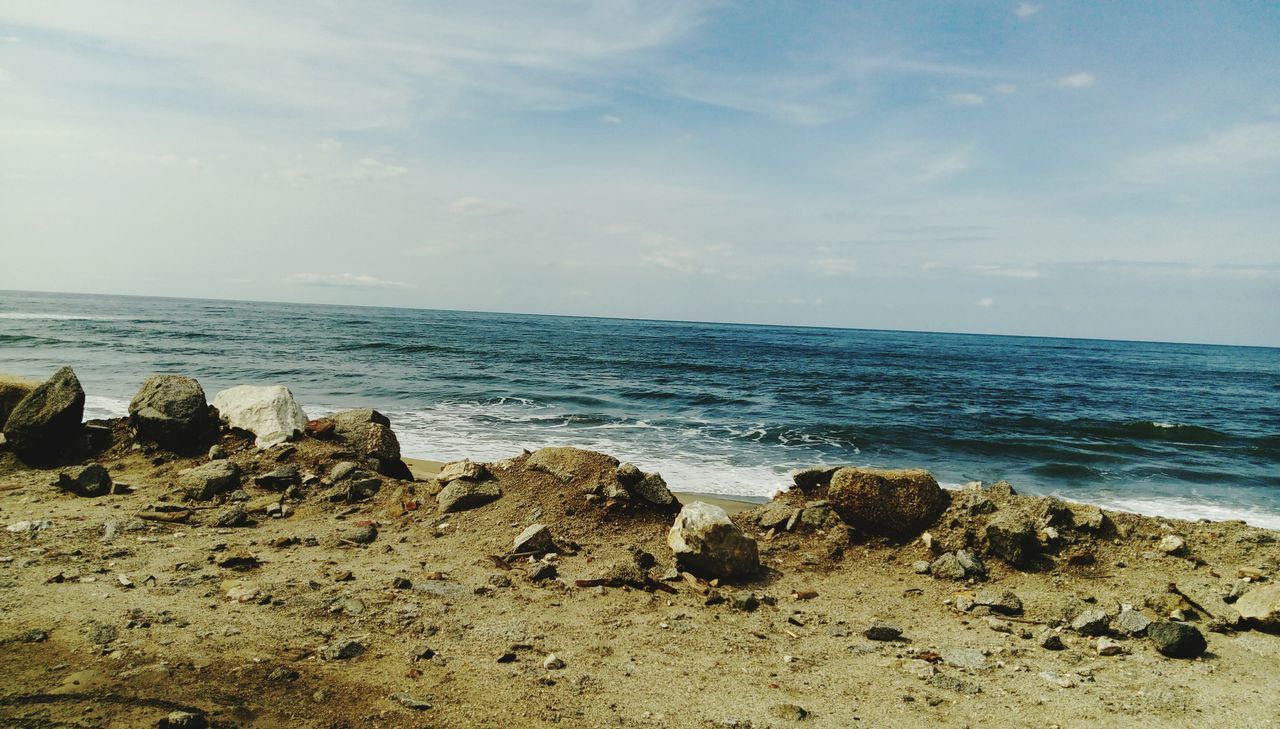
1174 429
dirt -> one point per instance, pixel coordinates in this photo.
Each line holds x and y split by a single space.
83 647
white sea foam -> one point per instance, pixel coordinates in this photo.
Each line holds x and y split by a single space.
42 316
101 407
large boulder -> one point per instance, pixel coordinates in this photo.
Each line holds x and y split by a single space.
47 420
369 433
1260 608
895 503
269 412
12 390
172 411
708 544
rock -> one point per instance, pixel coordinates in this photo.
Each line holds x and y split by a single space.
708 544
462 469
1108 647
1001 491
881 630
207 480
653 488
183 720
958 565
360 488
953 683
540 571
815 514
461 495
1171 544
1050 640
47 420
1087 517
321 428
101 634
1000 601
171 410
628 474
1054 512
368 431
232 517
964 658
921 567
535 539
896 503
343 470
283 674
12 390
1091 622
410 701
269 412
811 479
90 480
553 662
279 479
573 465
1176 640
1130 622
998 625
744 601
362 535
1012 537
789 712
975 502
341 650
217 453
774 514
1260 608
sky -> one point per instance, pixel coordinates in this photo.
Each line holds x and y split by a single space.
1066 169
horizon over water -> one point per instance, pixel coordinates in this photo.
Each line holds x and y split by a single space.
1182 430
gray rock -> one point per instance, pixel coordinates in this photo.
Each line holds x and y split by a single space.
1171 544
232 517
171 410
283 674
974 502
811 479
1055 513
279 478
183 720
341 650
1087 517
1108 647
964 658
217 453
1092 622
535 539
1130 622
1000 601
815 514
1177 640
101 633
707 543
958 566
744 601
12 390
410 701
362 535
573 466
461 495
773 515
653 488
343 470
881 630
362 487
469 470
553 662
47 421
208 480
1049 639
540 571
922 568
90 480
1260 608
1011 536
628 474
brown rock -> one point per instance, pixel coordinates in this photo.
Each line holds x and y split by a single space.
898 503
574 465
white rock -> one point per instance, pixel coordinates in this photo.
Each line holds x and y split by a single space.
269 412
553 662
1171 544
706 542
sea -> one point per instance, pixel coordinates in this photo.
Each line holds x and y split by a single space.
1180 430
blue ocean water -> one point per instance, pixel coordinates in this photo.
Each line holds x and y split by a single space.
1172 429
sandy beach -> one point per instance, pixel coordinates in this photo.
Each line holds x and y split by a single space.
328 604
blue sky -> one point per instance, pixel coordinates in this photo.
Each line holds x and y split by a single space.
1071 169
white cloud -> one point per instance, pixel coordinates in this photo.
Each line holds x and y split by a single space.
834 266
986 302
1078 80
949 165
1026 10
329 145
1005 88
345 280
1241 151
611 119
967 99
361 170
478 207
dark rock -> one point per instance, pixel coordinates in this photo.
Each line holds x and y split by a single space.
1092 622
279 479
643 559
1050 640
362 535
811 479
707 543
462 494
1054 512
283 674
628 475
744 601
653 488
217 453
363 487
90 480
974 502
391 468
232 517
774 514
208 480
880 630
341 650
47 421
896 503
368 432
1012 537
172 411
540 571
1176 640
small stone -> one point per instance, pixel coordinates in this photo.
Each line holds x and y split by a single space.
540 571
90 480
362 535
880 630
232 517
1171 544
953 683
998 625
744 601
921 567
411 702
1177 640
1260 608
1108 647
1130 622
1058 679
507 657
535 540
964 658
279 478
217 453
788 712
101 634
341 650
1050 640
183 720
463 494
499 580
1091 622
1004 602
283 674
553 662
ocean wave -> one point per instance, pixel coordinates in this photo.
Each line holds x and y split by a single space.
44 316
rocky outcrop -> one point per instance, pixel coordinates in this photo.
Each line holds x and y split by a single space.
47 421
573 466
172 411
894 503
1260 608
269 412
12 390
369 433
708 544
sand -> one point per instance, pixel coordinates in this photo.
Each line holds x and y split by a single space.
85 648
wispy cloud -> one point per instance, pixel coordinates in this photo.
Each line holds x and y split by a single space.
478 207
1026 10
967 99
986 302
1078 80
1242 151
345 280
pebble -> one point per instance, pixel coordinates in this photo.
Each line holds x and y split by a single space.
411 702
881 630
1050 640
1091 622
553 662
744 601
1109 647
1171 544
341 650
